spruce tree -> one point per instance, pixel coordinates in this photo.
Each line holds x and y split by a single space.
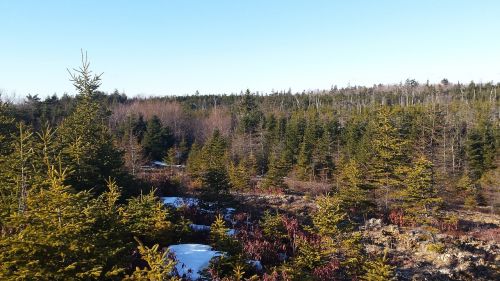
157 139
387 155
475 154
159 265
379 270
352 192
420 194
86 143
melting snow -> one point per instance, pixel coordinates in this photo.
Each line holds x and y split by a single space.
180 201
192 258
199 227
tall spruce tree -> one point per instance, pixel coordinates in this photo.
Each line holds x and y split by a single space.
86 143
387 155
420 195
157 139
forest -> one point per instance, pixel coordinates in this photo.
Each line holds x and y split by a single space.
389 182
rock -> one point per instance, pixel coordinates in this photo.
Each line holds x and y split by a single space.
445 260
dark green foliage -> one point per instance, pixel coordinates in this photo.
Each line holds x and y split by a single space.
215 185
157 139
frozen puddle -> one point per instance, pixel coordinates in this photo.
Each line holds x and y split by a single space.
192 259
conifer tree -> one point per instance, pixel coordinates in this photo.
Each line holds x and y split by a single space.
304 161
352 192
387 155
46 241
475 154
276 172
157 139
148 219
219 236
322 161
329 219
159 265
87 145
379 270
420 194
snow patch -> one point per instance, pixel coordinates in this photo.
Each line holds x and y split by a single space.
180 201
199 227
158 163
192 259
202 228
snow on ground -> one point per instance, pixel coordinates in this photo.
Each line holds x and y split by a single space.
192 258
199 227
202 227
158 163
179 201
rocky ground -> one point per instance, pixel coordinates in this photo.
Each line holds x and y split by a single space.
471 252
424 254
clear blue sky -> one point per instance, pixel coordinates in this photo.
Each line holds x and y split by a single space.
178 47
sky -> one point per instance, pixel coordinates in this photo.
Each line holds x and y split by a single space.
156 48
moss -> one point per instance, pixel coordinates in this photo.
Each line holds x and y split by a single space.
436 248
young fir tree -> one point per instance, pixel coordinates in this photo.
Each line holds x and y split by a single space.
220 238
239 175
379 270
305 169
213 174
194 159
322 161
329 219
159 265
157 139
387 155
475 154
148 219
46 240
276 172
352 193
87 145
420 195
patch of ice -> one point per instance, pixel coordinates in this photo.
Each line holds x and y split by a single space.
202 227
180 201
159 163
199 227
192 259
